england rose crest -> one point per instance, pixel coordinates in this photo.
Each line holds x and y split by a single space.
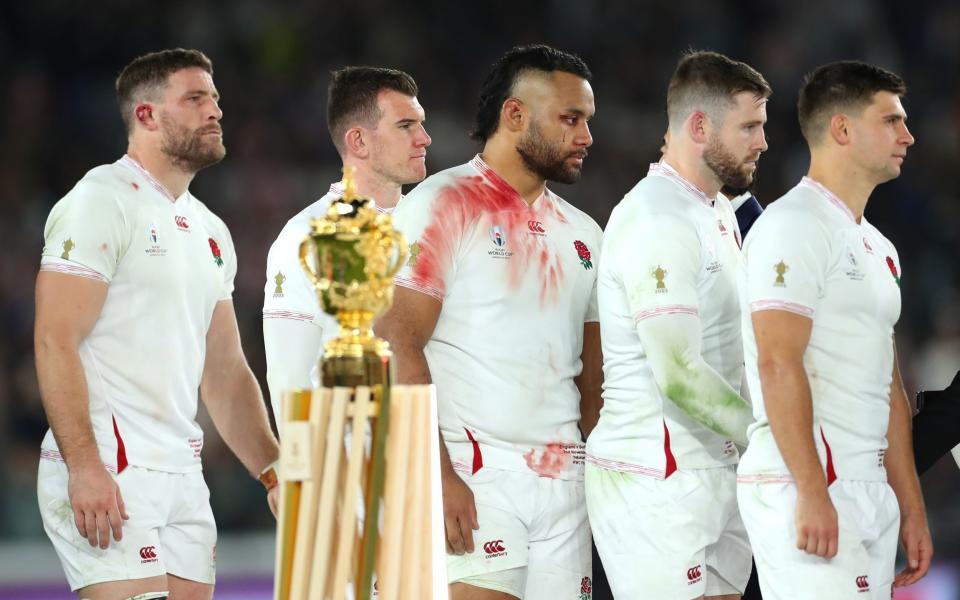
215 249
584 253
893 270
586 589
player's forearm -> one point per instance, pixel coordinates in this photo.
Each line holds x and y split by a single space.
705 396
899 462
63 391
590 381
236 407
411 363
672 345
789 408
292 349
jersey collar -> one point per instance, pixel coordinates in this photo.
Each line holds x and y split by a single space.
830 196
501 184
664 170
336 190
131 163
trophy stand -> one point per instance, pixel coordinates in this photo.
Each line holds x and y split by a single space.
359 450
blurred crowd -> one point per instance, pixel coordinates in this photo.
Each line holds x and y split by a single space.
58 119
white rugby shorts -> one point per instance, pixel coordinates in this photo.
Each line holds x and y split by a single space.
678 538
170 530
863 569
533 541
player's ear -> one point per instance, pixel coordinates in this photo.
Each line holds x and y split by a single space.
354 140
840 129
513 114
143 115
697 125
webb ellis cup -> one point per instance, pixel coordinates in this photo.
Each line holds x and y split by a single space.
351 256
356 252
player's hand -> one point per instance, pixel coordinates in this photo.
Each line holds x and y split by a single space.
273 499
816 521
97 504
459 514
917 545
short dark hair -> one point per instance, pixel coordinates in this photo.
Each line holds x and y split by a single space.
352 97
843 86
708 81
146 75
505 73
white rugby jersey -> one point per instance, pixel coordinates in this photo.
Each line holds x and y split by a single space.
668 249
808 255
517 283
288 293
167 262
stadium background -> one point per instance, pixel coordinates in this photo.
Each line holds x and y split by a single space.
58 118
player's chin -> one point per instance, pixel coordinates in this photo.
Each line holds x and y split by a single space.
417 173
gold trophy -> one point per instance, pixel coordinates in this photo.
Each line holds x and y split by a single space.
356 253
351 256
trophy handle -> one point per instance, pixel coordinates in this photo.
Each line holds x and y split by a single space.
305 246
401 242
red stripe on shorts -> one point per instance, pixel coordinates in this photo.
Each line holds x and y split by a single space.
477 457
831 473
671 461
121 450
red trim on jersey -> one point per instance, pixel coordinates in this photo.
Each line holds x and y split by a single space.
477 457
671 461
736 236
831 473
121 450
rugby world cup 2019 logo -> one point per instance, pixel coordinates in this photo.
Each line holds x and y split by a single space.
499 238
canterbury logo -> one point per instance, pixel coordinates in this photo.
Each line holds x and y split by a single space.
494 546
862 583
148 553
535 226
181 222
693 573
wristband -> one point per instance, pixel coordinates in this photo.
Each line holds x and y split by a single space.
268 476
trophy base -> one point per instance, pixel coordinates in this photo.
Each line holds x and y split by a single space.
352 371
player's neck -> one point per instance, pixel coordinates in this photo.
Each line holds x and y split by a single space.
501 156
385 194
844 180
692 168
158 165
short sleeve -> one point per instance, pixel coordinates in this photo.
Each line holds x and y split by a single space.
288 293
658 259
785 262
433 223
229 264
86 234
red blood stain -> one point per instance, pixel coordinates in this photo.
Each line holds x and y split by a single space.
552 461
485 202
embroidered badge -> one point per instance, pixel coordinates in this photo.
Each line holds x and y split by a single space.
278 279
660 274
215 250
780 269
584 253
414 252
893 270
67 247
